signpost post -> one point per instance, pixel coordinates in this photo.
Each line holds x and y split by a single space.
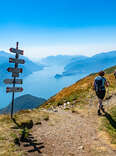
15 73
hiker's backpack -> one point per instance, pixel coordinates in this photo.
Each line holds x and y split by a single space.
115 74
99 84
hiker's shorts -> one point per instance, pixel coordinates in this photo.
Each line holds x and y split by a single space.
101 94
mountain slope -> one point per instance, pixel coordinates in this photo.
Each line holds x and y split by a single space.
79 92
89 65
23 102
28 67
61 60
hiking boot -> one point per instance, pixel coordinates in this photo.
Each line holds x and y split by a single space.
98 112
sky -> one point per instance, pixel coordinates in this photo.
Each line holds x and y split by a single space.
52 27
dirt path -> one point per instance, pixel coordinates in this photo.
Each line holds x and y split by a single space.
72 134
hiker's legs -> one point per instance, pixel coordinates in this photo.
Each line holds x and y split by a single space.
100 106
100 103
100 96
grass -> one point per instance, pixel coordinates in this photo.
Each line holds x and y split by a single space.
109 124
110 70
10 133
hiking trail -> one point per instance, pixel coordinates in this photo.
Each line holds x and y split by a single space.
73 134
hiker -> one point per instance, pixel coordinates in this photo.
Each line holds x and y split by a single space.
115 74
99 86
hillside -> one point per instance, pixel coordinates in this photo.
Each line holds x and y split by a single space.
90 64
23 102
61 60
79 92
28 67
66 125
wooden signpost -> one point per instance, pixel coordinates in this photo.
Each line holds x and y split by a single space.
16 51
13 60
15 73
14 89
11 81
15 70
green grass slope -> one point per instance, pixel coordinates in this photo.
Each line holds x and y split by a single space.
81 90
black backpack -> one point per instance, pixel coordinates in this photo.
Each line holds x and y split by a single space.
98 85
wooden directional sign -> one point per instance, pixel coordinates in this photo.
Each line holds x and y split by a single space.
14 89
14 60
11 81
15 70
15 74
17 51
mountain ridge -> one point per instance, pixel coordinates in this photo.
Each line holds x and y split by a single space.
61 59
92 64
28 67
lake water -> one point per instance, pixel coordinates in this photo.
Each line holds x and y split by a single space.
41 84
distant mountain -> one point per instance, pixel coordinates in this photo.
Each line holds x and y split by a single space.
23 102
88 65
28 67
61 60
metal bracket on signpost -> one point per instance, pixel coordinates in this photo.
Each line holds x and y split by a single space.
15 73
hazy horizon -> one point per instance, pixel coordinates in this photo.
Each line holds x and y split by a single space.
39 58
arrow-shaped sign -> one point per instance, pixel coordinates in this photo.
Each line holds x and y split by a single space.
15 74
14 60
11 81
14 89
17 51
15 70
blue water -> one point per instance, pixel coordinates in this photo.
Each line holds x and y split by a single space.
41 84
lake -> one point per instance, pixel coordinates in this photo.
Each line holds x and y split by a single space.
41 84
